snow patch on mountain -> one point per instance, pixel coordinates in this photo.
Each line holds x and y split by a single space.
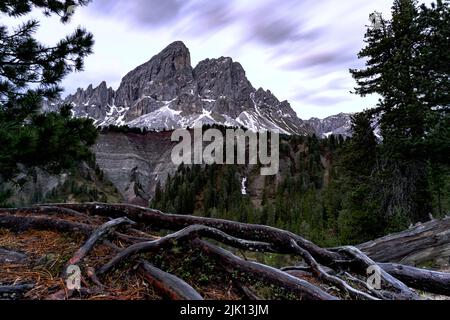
167 93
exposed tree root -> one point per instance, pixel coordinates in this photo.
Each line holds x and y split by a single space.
97 235
280 239
232 263
186 234
329 274
426 280
322 274
363 263
168 285
248 294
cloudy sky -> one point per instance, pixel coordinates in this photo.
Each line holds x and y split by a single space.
299 49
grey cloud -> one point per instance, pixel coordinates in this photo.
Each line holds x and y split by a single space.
274 23
273 30
206 17
141 12
337 58
319 98
326 100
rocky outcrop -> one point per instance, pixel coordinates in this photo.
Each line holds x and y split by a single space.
135 163
335 125
92 102
340 124
31 186
168 93
166 77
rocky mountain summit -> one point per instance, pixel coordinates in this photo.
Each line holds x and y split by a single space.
334 125
168 93
339 125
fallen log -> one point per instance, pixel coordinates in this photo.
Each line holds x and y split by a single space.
421 279
167 284
424 242
25 223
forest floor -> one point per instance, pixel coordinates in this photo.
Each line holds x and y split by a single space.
42 251
48 252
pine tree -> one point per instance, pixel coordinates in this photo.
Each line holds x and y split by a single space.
29 73
399 68
360 218
358 157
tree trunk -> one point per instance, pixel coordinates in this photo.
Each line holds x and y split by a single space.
425 242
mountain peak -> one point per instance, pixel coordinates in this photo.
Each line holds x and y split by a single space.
178 53
167 93
178 44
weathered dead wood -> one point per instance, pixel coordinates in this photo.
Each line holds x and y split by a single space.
97 235
93 276
322 274
24 223
299 273
185 235
425 242
189 234
142 234
232 263
280 239
307 269
47 209
113 246
246 292
380 294
429 240
361 263
425 280
168 285
7 256
133 239
297 268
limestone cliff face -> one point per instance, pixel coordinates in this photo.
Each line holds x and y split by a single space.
134 163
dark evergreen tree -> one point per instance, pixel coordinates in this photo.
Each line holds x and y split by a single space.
360 218
409 72
29 73
358 156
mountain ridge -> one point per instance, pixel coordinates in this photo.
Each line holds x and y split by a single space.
167 93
